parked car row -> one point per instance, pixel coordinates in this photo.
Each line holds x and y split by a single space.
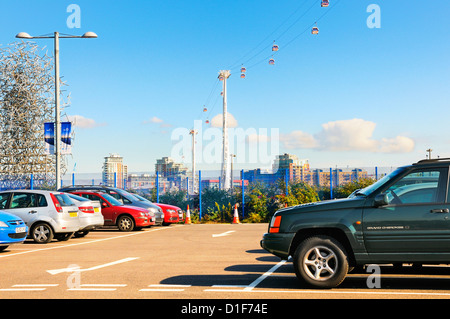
75 211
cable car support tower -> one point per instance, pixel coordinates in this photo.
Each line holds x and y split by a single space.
226 169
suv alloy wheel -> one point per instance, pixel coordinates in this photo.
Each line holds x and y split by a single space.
321 261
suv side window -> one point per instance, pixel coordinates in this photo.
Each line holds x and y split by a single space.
23 200
419 186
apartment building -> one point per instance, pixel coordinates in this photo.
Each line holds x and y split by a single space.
114 172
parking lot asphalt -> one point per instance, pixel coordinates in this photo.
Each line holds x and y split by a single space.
189 262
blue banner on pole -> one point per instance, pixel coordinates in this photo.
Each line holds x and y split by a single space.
66 139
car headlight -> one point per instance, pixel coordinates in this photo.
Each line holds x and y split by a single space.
2 224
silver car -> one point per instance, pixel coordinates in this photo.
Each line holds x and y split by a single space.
90 214
47 214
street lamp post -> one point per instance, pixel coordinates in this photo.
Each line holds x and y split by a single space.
232 156
57 138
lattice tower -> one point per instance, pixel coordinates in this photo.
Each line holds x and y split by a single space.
26 103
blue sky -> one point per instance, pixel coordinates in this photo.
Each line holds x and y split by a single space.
349 96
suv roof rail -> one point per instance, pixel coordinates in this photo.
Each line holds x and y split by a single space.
434 160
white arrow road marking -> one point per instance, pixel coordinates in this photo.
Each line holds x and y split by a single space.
224 234
97 287
77 269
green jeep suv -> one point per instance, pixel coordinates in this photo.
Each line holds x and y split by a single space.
402 218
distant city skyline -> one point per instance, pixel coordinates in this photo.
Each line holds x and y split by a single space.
356 94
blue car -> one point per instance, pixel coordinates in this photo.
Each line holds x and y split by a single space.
12 230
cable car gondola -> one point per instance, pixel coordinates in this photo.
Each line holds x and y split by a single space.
324 3
243 76
274 47
243 69
205 109
271 61
315 30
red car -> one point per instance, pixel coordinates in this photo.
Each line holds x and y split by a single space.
171 213
127 218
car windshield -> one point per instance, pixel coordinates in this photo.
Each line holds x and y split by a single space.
112 200
371 188
130 197
140 197
78 198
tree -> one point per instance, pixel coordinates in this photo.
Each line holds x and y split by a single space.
298 193
346 189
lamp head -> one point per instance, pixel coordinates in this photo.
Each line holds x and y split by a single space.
23 35
89 35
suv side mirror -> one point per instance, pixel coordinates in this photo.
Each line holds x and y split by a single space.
380 200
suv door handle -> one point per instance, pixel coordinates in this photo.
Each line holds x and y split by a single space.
32 212
442 210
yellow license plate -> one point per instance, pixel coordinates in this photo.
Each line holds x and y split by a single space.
73 214
96 209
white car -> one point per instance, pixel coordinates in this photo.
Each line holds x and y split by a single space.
90 213
47 214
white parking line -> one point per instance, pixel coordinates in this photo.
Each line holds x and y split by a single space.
22 289
264 276
161 289
36 285
252 285
166 288
84 243
29 287
76 269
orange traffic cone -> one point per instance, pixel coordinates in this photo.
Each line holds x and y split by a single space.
187 220
236 215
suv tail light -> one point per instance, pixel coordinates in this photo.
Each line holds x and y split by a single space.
275 224
56 203
87 209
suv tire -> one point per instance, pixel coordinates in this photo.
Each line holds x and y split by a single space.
320 261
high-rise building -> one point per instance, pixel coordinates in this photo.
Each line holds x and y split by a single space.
288 167
167 167
114 172
289 164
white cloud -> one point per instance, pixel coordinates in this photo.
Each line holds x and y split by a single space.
298 139
347 135
399 144
154 119
157 120
217 121
83 122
